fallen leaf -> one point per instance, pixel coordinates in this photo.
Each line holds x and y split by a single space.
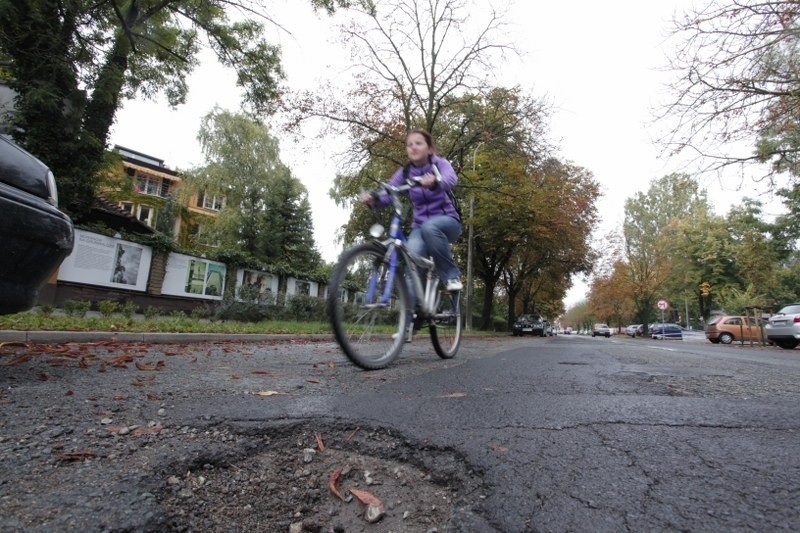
498 448
154 397
454 395
366 498
121 361
320 443
315 381
81 455
20 359
44 377
149 367
269 393
14 343
352 434
262 372
138 432
333 483
69 393
234 376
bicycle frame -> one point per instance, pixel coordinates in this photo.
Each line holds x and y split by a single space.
397 251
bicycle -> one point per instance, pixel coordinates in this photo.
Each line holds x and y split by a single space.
373 329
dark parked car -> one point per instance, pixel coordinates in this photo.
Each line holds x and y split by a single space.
36 236
666 331
529 325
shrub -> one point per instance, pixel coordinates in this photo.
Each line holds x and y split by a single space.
77 308
304 308
127 309
151 312
198 313
46 310
108 308
241 311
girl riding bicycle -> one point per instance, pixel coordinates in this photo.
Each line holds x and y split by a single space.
436 223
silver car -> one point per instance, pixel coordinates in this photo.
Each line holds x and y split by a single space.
783 327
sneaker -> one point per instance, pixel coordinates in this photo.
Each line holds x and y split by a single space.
454 284
409 334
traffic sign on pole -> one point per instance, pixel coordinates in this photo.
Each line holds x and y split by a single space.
663 305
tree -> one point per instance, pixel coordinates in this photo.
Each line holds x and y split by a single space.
650 229
71 63
266 213
412 62
737 84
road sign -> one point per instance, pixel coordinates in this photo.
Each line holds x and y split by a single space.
663 305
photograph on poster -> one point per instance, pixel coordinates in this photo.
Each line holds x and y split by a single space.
215 279
195 276
126 264
257 285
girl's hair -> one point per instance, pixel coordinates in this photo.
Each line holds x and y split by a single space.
427 136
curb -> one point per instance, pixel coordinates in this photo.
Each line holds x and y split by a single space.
47 337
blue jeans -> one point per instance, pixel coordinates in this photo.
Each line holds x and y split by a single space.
433 239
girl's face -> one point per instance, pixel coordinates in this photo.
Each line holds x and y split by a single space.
417 149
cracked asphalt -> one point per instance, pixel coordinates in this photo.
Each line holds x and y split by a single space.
565 433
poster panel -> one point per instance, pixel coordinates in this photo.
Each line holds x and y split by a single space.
107 262
194 277
258 286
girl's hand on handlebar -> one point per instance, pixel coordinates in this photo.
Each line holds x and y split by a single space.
428 181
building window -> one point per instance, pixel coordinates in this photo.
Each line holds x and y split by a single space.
127 207
303 287
153 186
145 214
207 201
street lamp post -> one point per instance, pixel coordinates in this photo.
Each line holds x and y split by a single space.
468 324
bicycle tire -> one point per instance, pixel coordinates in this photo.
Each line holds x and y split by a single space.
446 324
370 334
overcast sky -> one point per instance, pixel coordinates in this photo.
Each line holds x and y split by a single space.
599 63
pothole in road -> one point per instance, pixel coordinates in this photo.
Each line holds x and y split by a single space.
285 481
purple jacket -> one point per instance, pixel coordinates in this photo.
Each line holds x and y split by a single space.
428 202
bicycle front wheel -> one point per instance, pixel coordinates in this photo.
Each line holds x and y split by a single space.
369 321
446 324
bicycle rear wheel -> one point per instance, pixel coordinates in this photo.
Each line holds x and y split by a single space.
369 327
446 324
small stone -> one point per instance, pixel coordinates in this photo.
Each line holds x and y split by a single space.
297 527
308 454
374 513
106 421
173 480
124 430
162 412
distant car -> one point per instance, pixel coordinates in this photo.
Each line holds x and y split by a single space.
36 235
783 328
567 331
666 331
725 329
634 329
601 330
529 325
